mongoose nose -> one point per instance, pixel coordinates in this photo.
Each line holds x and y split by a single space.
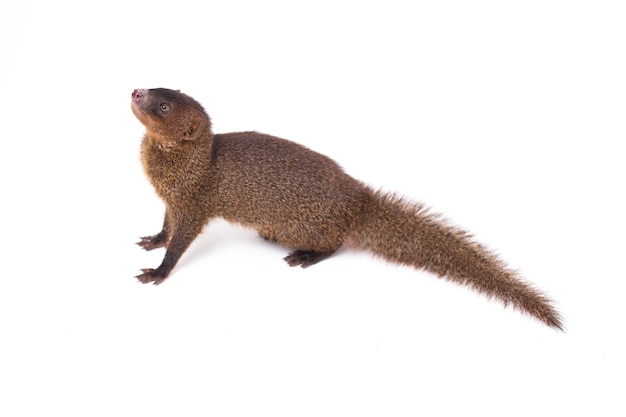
138 94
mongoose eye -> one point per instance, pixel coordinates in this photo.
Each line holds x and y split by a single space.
165 107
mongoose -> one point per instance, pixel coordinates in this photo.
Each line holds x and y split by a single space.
299 199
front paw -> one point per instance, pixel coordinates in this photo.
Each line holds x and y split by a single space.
152 242
150 275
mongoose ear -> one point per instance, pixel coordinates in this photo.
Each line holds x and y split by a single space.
196 126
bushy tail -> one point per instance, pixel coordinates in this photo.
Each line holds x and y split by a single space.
407 233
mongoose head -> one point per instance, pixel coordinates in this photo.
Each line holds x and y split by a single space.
170 116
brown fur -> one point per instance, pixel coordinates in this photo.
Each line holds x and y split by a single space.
299 199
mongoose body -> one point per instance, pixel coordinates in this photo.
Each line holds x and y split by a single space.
300 199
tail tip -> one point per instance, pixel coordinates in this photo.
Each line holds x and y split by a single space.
554 321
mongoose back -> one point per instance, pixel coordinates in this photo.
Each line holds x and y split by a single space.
299 199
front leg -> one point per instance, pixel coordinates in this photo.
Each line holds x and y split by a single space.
182 236
157 241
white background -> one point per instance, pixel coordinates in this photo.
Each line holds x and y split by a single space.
509 119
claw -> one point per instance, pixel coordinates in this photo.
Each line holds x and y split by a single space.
150 275
152 242
306 258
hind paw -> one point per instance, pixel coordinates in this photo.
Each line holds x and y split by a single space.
306 258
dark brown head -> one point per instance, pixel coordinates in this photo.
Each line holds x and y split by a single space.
170 116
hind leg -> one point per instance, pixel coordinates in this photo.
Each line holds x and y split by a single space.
306 258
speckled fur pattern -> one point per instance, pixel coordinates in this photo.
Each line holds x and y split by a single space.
299 199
